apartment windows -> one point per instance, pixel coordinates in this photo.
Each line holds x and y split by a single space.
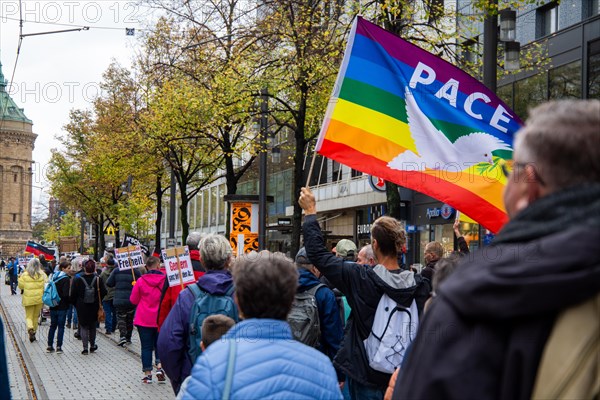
547 20
591 8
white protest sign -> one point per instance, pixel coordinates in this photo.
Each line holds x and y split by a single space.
24 260
129 257
178 265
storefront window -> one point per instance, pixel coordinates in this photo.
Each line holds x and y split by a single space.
529 93
471 234
444 233
593 81
565 82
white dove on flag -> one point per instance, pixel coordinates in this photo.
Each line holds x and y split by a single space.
434 149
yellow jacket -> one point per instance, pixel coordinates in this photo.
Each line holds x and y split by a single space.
33 288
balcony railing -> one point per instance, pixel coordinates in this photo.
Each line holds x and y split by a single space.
354 192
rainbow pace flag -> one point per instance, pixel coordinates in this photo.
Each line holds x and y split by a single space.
400 113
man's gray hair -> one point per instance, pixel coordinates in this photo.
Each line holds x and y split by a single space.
368 252
215 251
193 240
560 139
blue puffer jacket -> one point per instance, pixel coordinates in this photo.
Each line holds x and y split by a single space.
269 364
172 343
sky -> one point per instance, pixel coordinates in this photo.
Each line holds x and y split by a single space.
58 72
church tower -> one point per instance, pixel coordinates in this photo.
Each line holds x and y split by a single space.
16 148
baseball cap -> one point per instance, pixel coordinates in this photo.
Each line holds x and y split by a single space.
344 247
302 258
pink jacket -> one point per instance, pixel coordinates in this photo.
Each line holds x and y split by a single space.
146 295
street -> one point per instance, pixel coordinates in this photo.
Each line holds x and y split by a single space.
110 373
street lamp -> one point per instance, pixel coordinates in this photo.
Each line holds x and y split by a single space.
508 34
508 25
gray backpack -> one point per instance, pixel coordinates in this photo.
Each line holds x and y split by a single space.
304 317
89 294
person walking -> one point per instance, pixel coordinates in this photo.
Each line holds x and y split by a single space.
257 358
74 271
122 282
170 293
110 323
31 282
330 321
520 319
86 292
367 289
13 272
46 267
173 339
58 314
146 296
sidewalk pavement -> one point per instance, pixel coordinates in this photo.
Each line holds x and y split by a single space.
111 372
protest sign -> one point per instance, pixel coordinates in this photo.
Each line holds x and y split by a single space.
178 265
24 259
130 240
129 257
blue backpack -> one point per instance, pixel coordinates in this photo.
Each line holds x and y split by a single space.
206 304
51 298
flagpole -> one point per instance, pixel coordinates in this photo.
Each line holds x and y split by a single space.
310 170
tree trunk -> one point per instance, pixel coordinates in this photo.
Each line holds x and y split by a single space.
117 236
393 200
298 175
231 183
185 224
96 241
158 222
101 234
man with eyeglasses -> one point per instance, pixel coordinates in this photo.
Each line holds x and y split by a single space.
520 319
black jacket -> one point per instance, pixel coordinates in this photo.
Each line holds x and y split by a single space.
63 287
122 282
485 332
87 314
363 289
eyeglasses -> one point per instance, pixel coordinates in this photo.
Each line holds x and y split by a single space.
516 164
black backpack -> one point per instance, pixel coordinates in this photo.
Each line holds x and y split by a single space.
89 294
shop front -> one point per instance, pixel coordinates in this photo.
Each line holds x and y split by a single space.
433 222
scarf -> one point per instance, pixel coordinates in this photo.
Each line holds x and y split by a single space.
579 205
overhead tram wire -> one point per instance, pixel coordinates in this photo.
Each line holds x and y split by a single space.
70 25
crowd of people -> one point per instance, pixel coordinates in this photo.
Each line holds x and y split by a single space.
359 324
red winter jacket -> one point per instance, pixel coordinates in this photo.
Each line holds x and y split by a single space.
169 294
